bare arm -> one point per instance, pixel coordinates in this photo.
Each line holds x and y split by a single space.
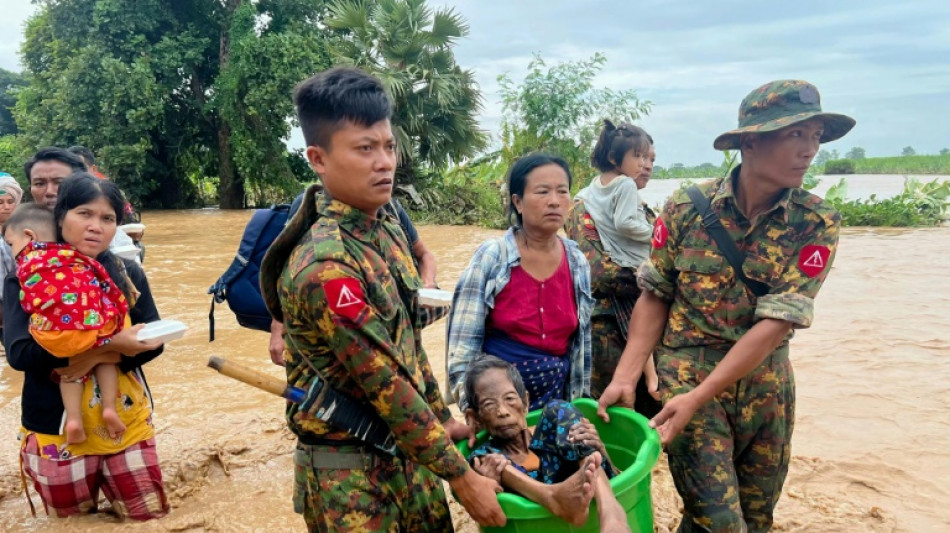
426 263
646 327
745 355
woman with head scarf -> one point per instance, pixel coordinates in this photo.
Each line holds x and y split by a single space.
10 196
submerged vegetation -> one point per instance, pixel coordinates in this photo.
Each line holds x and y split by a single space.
919 204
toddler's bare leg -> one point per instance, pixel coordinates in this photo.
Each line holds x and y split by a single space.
108 378
71 392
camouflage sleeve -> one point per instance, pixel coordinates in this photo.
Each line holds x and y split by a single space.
433 394
658 274
792 297
358 337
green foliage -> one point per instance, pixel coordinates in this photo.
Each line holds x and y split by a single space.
10 84
856 153
409 47
12 158
839 166
164 92
730 159
822 157
914 164
557 109
944 151
919 204
908 150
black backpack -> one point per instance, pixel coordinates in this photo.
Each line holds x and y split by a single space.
240 284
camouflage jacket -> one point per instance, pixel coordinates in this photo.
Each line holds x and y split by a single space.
790 248
609 281
347 299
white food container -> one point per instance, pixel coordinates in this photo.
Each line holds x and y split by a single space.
435 298
162 330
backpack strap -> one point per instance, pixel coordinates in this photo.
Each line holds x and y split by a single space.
727 246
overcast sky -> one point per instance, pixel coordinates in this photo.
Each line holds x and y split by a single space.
887 64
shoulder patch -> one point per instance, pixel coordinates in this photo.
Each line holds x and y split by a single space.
345 297
813 259
660 233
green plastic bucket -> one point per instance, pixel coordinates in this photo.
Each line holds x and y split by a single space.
632 446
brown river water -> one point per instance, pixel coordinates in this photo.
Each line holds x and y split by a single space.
872 438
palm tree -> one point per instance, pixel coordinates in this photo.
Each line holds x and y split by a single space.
409 48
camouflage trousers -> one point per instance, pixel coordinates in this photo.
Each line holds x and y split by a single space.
383 494
607 344
730 462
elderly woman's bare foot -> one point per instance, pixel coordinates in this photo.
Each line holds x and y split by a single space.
570 499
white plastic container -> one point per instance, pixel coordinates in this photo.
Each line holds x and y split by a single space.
128 251
435 298
162 330
134 227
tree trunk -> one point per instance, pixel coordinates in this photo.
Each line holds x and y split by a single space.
230 184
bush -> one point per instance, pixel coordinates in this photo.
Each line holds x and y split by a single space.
839 166
919 204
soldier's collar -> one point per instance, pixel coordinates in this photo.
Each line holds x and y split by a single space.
348 217
726 192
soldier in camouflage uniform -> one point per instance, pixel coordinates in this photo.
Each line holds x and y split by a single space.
341 279
727 384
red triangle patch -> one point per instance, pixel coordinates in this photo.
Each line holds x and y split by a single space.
813 259
345 297
659 233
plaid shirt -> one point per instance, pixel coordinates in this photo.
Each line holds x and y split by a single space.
486 275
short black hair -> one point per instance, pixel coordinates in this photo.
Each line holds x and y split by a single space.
31 216
614 143
81 188
83 152
483 363
52 153
325 101
518 178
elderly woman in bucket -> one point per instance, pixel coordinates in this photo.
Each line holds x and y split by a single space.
10 196
561 465
525 297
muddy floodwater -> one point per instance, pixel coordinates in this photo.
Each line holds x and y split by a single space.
871 450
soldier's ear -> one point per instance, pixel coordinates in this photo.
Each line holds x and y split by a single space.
316 156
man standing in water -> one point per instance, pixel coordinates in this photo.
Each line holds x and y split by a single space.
721 337
341 279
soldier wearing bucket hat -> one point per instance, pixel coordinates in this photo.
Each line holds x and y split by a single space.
720 331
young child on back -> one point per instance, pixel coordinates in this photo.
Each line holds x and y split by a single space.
611 199
74 306
561 465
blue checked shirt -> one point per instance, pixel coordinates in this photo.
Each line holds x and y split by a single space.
486 275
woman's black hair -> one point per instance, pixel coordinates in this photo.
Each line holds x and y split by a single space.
81 188
614 143
518 178
483 363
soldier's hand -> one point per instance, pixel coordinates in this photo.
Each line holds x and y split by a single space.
617 393
276 346
458 430
477 494
674 416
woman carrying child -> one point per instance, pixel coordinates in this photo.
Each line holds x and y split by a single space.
525 297
67 475
613 229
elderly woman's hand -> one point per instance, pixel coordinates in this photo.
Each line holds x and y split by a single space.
82 364
584 432
126 341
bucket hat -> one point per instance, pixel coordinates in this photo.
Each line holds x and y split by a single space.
778 104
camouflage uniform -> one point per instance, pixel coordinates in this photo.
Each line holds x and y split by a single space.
730 462
347 299
615 291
